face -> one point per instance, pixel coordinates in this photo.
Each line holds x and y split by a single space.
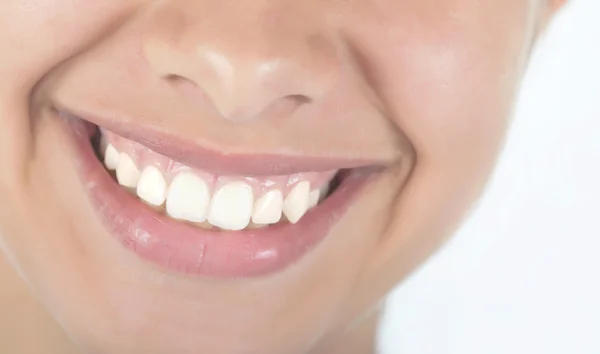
243 176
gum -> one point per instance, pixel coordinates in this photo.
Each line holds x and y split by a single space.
144 157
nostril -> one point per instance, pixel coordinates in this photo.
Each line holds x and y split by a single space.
178 80
194 93
173 78
187 88
299 99
283 107
243 70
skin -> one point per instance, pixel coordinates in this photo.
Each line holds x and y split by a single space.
433 82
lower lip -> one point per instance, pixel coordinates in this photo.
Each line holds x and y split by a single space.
184 248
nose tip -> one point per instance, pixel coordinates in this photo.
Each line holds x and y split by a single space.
245 74
246 86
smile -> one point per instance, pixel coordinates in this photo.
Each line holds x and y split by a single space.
207 199
197 211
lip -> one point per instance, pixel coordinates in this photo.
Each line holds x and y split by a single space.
184 248
193 154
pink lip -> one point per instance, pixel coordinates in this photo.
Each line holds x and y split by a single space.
192 154
187 249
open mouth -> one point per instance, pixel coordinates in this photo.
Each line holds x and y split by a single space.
196 212
209 200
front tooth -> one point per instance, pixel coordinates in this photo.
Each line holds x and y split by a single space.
111 157
313 198
128 174
152 186
297 202
267 209
231 206
188 198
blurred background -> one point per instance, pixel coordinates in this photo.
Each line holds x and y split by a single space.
523 274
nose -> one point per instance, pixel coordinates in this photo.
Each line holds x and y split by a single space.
246 57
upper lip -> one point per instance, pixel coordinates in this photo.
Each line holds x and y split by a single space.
193 154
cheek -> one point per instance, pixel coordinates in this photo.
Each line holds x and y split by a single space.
448 76
38 36
447 80
42 34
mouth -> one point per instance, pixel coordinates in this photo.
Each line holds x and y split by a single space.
196 211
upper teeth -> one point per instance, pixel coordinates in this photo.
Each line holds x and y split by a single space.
188 198
232 206
111 158
128 174
297 202
152 186
267 209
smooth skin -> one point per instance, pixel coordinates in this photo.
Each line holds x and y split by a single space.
433 82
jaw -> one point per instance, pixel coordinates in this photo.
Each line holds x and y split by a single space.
118 293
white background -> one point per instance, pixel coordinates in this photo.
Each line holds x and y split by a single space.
523 274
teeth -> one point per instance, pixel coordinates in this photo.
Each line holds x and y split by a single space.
128 174
267 209
103 143
188 198
152 186
297 202
231 206
111 157
313 198
324 190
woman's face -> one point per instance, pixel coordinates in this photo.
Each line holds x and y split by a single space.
220 117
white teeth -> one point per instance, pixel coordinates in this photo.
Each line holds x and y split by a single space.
313 198
231 206
103 143
267 209
111 157
188 198
152 186
128 174
324 190
297 202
